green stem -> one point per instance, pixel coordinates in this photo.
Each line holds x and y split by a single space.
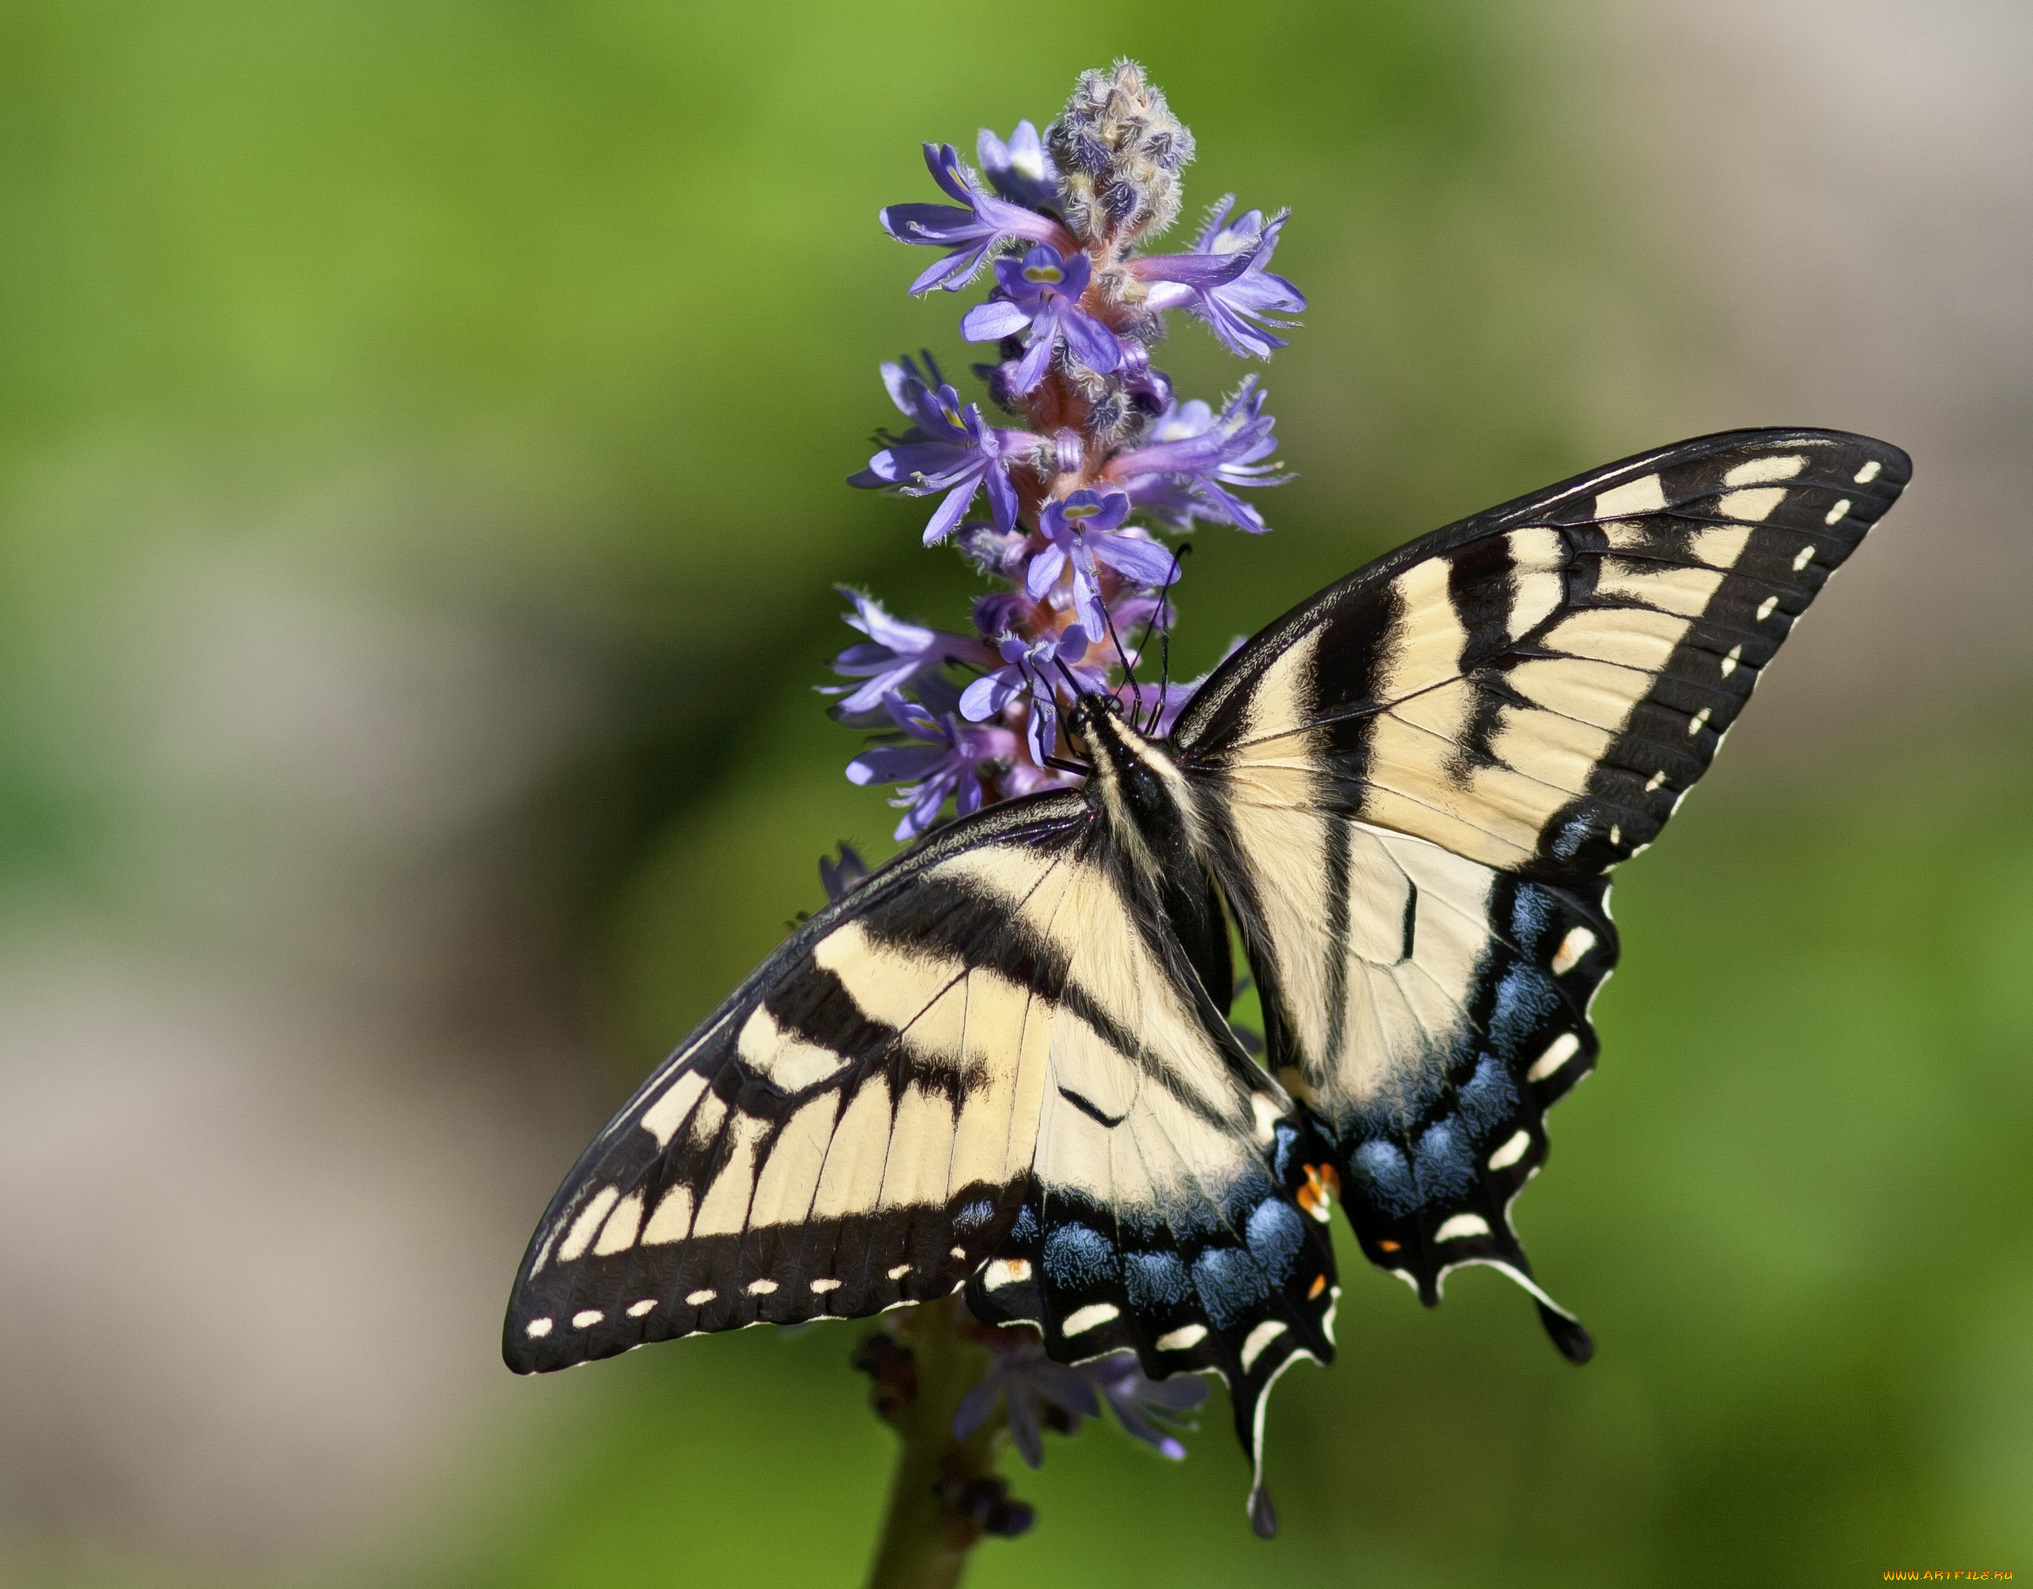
925 1539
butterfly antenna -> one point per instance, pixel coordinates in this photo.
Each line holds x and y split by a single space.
1122 656
1164 640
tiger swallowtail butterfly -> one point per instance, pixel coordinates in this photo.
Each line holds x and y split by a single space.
1002 1061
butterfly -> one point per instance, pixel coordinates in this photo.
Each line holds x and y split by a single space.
1003 1061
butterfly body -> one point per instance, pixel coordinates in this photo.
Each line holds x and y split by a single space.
1003 1061
1139 789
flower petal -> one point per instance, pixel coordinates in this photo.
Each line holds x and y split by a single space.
1091 342
951 511
992 321
1192 270
1087 594
952 273
1002 498
1043 573
1037 357
1043 728
893 763
989 694
1146 562
943 161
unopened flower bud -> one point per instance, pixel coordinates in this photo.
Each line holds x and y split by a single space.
1119 150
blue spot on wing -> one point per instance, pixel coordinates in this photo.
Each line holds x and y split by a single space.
1286 1142
1443 1162
1490 1097
1275 1235
1531 911
1076 1257
1156 1281
1383 1172
1525 1000
1228 1281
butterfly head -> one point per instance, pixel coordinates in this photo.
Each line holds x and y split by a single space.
1101 728
1135 780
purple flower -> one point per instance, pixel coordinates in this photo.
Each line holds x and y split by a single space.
1148 390
1224 282
839 876
1083 532
1035 1392
1148 1409
1157 707
993 551
1027 777
1031 669
1132 609
1038 1394
1191 458
1020 170
1042 290
893 657
968 232
945 759
948 448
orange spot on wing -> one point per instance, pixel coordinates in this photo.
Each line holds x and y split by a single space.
1322 1185
1319 1285
1387 1246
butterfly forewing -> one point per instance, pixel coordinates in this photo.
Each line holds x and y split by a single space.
1424 774
854 1128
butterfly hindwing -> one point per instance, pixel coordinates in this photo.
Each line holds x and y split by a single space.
1175 1205
1425 773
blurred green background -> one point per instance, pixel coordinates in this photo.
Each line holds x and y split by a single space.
422 429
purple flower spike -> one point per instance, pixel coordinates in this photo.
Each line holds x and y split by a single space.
1042 290
948 448
1148 1409
1077 542
969 232
1224 282
946 759
1184 470
1031 669
1037 1393
1020 170
1083 532
894 656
